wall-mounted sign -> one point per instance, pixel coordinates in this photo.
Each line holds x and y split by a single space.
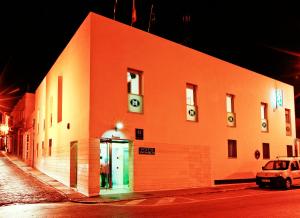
191 112
230 119
277 98
147 150
139 134
135 103
264 125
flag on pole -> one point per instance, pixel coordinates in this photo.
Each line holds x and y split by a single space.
151 18
133 19
187 37
115 8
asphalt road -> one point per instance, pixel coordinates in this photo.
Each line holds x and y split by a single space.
253 202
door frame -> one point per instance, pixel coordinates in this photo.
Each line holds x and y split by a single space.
110 142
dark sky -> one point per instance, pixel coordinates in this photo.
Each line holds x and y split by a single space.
263 37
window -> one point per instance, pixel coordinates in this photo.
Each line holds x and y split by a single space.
51 110
190 94
27 146
289 150
37 149
263 111
50 146
229 103
191 108
38 121
288 126
59 98
134 90
51 120
43 148
264 117
134 83
266 151
294 165
230 110
232 149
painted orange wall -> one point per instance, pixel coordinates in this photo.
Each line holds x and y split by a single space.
188 154
23 109
30 158
22 121
74 66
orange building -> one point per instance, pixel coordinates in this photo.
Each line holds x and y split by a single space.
22 125
5 132
124 110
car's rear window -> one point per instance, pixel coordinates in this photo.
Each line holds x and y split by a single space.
277 165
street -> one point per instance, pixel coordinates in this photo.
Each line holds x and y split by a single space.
252 202
23 196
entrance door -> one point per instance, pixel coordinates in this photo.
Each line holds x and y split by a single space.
73 164
114 161
120 165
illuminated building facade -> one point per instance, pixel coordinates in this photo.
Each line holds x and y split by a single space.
5 139
22 123
154 115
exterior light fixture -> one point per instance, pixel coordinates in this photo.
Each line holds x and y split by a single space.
119 125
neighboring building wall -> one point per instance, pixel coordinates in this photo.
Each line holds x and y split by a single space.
188 154
21 114
5 132
72 67
298 127
28 136
28 140
2 138
17 128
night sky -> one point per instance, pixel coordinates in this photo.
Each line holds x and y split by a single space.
263 37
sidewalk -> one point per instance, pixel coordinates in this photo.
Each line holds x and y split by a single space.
61 188
75 196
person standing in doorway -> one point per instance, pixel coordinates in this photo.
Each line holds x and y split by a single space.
104 173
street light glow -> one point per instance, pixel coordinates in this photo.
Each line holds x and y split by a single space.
4 128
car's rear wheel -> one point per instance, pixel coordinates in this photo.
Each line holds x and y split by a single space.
288 184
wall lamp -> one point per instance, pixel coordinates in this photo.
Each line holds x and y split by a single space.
119 126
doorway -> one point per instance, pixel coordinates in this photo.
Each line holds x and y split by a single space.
73 164
114 166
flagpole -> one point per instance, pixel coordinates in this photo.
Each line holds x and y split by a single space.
150 18
133 16
115 8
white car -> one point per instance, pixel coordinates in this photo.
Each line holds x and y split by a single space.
281 172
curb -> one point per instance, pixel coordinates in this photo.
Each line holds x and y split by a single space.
150 195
